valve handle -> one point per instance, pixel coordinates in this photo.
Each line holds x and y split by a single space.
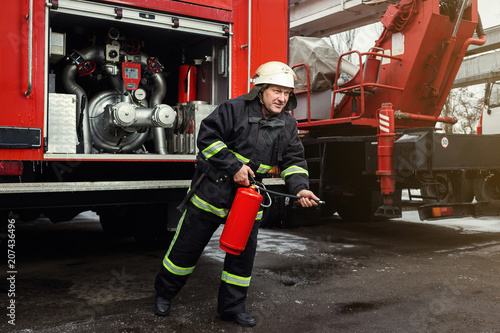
153 65
132 46
86 67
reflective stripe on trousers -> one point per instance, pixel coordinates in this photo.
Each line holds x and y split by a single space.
235 279
177 270
169 265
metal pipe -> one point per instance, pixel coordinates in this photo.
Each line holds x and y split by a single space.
27 93
159 136
97 54
249 43
459 17
130 117
46 82
470 41
410 116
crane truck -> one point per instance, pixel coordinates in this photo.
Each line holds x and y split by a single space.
372 132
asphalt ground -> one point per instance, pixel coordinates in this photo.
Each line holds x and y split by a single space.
389 276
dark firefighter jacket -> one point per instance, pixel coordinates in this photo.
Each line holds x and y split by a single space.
237 133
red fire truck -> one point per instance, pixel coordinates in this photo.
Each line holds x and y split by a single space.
105 98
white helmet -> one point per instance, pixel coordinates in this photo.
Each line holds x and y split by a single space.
275 72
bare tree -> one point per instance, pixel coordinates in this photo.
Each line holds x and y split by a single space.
344 42
465 105
447 112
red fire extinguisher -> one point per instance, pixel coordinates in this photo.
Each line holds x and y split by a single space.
187 84
240 220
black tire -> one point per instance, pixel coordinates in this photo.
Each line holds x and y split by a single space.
439 191
150 225
356 208
147 223
361 199
115 221
487 189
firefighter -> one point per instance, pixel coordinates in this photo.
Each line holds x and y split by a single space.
248 135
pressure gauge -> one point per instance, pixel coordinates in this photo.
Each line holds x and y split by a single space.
140 94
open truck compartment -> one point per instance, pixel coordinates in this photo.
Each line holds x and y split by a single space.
128 74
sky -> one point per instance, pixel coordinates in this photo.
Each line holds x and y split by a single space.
489 10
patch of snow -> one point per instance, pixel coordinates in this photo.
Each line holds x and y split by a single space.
467 225
269 241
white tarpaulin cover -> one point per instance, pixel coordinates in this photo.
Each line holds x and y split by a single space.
321 57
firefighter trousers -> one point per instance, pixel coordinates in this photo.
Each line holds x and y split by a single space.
193 234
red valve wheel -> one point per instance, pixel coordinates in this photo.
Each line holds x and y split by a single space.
132 46
86 67
153 65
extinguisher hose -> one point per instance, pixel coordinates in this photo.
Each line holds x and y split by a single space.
321 202
262 187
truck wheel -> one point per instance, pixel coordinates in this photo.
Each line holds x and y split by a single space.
150 226
357 208
487 189
360 197
146 223
115 221
438 191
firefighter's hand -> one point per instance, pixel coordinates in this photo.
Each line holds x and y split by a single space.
305 196
241 177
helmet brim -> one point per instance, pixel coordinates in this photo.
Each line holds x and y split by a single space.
292 102
253 93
